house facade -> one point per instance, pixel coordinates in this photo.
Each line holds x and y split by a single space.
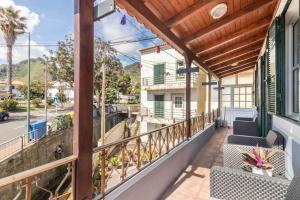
163 90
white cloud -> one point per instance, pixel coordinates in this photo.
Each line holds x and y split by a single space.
21 52
32 18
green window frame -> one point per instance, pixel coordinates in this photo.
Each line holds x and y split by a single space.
159 106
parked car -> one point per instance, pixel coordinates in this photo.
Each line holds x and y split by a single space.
4 116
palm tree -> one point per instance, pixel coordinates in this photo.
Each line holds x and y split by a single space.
11 25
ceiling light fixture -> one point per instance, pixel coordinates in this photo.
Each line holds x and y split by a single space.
234 64
218 11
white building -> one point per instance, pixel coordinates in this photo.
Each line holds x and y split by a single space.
162 90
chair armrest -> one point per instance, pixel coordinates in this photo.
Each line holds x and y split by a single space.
234 159
247 140
245 128
226 183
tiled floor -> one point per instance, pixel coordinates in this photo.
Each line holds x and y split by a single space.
193 183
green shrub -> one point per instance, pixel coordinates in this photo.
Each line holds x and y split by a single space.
36 103
62 122
50 102
9 104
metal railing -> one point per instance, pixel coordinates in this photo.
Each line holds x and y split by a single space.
173 81
168 114
31 180
119 161
113 164
16 144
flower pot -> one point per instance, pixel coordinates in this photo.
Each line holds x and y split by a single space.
261 171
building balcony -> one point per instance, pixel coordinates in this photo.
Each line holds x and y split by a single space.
168 82
166 116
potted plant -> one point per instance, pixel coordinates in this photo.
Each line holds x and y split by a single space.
258 160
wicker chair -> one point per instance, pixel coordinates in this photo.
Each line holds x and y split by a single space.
273 140
234 159
245 126
232 184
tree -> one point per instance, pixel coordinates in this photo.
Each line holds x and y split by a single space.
61 64
124 83
37 90
11 25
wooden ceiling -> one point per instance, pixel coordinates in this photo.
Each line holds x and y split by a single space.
224 46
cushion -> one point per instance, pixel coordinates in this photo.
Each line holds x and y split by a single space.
271 138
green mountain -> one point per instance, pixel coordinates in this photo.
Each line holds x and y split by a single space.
20 70
134 71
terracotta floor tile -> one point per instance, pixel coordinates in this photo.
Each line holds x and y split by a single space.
193 183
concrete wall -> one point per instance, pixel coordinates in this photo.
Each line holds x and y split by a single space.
291 131
153 181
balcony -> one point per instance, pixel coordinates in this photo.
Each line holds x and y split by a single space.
168 82
115 165
166 116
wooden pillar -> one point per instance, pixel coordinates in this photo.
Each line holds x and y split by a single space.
209 93
83 101
188 63
219 98
202 97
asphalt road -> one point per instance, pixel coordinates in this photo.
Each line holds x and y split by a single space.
16 125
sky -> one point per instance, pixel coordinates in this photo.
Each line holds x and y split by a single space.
49 21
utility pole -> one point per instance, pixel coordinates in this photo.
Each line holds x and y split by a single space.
28 88
46 90
103 104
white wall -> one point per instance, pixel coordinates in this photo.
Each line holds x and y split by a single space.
291 131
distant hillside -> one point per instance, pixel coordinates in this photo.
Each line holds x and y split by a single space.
134 72
20 70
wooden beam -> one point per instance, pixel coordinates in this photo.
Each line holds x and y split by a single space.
187 13
83 100
236 72
262 24
257 40
137 9
230 68
240 59
234 55
228 19
235 69
244 62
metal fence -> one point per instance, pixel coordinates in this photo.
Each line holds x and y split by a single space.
168 80
16 144
168 114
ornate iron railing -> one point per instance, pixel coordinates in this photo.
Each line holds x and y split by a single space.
117 162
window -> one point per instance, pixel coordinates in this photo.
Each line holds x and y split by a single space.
178 102
180 65
243 97
295 68
226 97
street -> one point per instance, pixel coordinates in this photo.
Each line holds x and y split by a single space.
16 125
